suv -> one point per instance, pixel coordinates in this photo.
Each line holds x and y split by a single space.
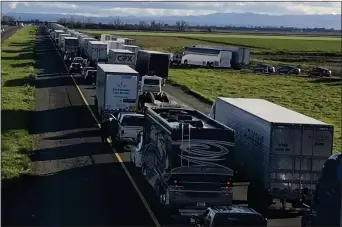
264 68
319 72
229 216
75 68
326 209
288 70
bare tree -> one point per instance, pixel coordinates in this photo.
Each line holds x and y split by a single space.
142 25
181 25
89 20
117 23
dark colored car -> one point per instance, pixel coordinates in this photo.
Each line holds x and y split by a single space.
319 72
85 69
288 70
75 68
326 207
229 216
264 68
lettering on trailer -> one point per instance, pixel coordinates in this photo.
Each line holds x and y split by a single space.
124 58
254 137
121 90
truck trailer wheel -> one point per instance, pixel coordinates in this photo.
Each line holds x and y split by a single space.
258 199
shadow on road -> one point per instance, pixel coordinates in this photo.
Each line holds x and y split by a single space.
94 195
79 134
69 151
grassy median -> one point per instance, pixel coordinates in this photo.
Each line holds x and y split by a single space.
17 101
317 98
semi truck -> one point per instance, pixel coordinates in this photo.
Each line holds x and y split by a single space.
84 44
206 57
57 33
279 151
114 45
121 56
116 89
186 157
70 45
61 39
240 55
97 52
132 48
126 41
153 63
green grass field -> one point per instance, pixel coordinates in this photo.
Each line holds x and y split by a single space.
258 43
17 63
318 99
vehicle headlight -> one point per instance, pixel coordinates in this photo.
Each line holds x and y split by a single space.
330 71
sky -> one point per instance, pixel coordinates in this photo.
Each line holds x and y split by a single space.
169 8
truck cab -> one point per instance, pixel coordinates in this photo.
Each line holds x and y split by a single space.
228 216
128 126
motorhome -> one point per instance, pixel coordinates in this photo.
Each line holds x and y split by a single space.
206 57
186 157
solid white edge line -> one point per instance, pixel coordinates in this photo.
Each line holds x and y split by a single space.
155 220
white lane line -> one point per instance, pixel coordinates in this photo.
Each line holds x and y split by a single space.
155 220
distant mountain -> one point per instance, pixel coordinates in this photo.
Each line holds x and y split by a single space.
216 19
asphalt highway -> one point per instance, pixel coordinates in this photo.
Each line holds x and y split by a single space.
78 181
8 31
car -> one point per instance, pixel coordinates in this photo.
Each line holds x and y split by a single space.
128 125
78 60
228 216
85 69
264 68
91 76
288 70
136 152
75 67
319 72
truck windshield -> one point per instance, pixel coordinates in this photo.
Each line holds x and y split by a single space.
132 121
230 219
151 82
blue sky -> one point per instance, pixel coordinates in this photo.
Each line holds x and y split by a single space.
168 8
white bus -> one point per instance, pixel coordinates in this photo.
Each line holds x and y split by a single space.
206 57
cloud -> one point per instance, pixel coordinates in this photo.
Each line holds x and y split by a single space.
169 8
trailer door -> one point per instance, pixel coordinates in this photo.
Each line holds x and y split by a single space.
297 155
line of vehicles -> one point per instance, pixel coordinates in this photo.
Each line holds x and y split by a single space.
191 160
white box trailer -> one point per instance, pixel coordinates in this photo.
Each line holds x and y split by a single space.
70 45
105 37
206 57
126 41
279 151
133 48
114 45
241 55
116 89
79 37
61 39
57 33
121 56
97 51
85 42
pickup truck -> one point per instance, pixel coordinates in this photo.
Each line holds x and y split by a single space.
228 216
127 125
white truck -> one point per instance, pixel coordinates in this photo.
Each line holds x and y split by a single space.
132 48
120 56
240 55
114 45
206 57
57 33
279 151
126 41
108 38
97 52
70 45
61 39
84 44
116 89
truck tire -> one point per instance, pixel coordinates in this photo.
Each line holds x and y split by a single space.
258 198
186 64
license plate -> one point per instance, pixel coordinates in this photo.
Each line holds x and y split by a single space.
201 204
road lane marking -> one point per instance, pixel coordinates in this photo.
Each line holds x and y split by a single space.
155 220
